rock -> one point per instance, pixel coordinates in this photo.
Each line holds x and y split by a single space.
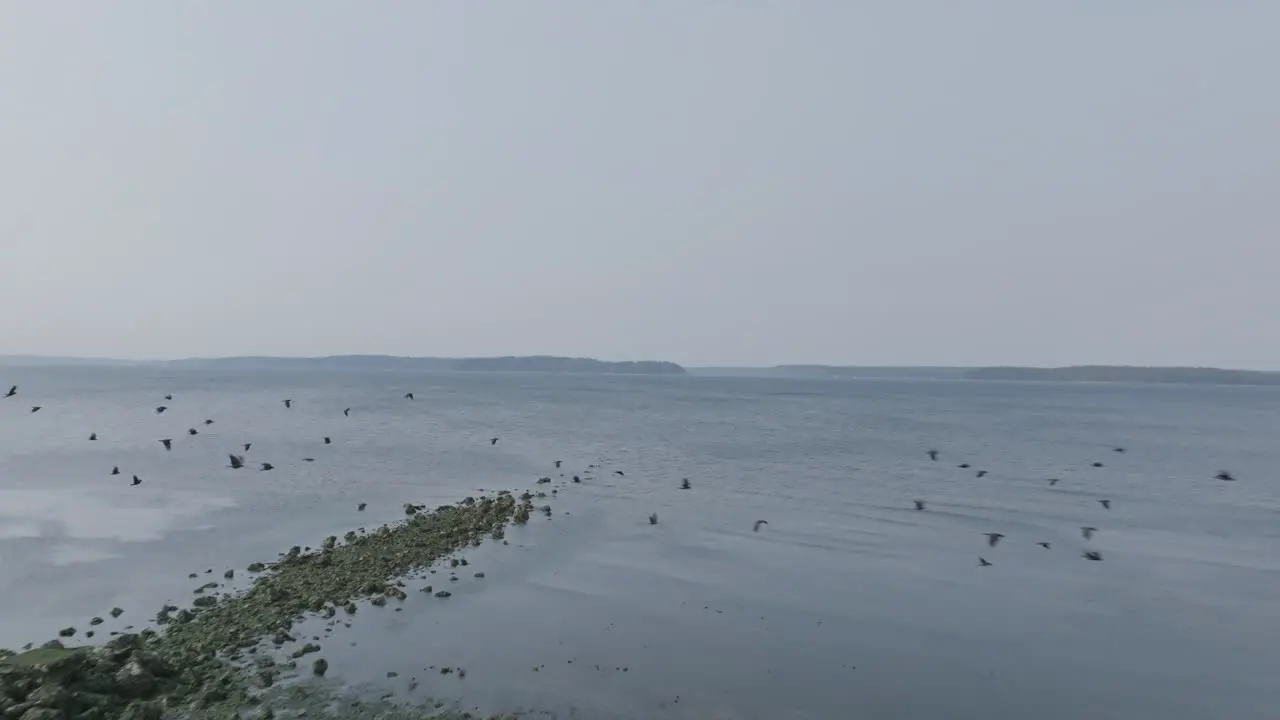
53 645
66 632
443 594
42 713
256 567
379 600
320 667
205 601
229 574
135 681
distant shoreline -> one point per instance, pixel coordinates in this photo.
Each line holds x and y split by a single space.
511 363
554 364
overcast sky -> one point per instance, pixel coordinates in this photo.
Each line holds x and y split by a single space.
710 182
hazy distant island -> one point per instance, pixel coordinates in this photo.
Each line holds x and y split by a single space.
1124 373
846 372
529 363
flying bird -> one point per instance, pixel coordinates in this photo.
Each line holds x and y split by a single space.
558 463
963 466
983 562
347 412
267 466
919 504
408 396
1091 555
1117 449
1106 504
933 455
193 431
12 391
308 459
237 461
288 403
684 483
653 518
161 408
1097 464
327 441
982 473
136 480
115 470
362 506
208 422
35 408
493 441
247 446
1224 475
1053 481
993 538
93 436
1044 545
167 442
168 397
619 473
756 527
1088 532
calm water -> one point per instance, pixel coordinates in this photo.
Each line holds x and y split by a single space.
848 604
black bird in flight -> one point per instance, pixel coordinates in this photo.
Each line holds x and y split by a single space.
684 483
408 396
1053 481
12 391
983 562
308 459
115 470
756 527
619 473
208 422
1117 449
1044 545
237 461
193 431
168 397
557 463
347 412
982 473
93 436
267 466
963 466
1087 531
1106 504
327 441
1224 475
247 446
1091 555
653 518
1097 464
919 504
161 408
933 455
167 442
35 408
993 538
288 403
136 480
493 441
362 506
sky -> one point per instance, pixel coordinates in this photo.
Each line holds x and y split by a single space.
714 182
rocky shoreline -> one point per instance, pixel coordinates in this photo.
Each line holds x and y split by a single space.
221 657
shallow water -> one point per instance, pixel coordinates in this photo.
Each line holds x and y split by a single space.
849 603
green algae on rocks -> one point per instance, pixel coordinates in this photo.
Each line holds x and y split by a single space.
197 665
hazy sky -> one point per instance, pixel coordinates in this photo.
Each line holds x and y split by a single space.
711 182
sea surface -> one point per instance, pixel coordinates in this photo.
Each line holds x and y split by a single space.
849 603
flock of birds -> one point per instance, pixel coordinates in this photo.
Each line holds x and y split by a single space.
1086 531
237 460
